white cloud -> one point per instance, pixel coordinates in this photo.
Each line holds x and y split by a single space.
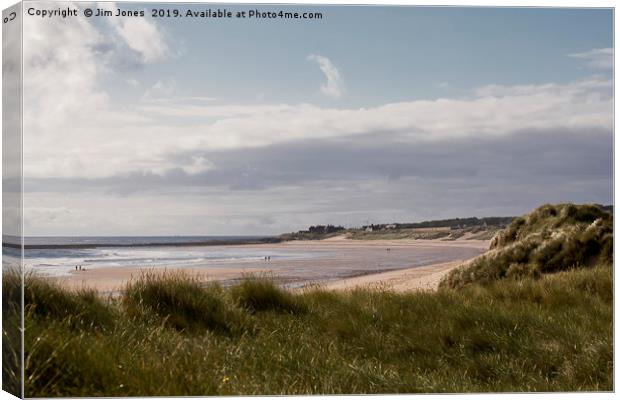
334 86
71 124
491 111
143 37
63 70
140 35
199 164
74 130
597 58
148 137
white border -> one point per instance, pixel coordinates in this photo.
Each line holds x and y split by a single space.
481 3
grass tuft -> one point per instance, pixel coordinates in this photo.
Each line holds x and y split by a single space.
83 308
181 301
261 294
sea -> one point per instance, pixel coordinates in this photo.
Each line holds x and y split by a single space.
57 256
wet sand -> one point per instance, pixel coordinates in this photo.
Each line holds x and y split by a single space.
336 263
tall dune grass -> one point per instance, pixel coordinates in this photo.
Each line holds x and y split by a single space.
174 336
551 238
179 301
11 330
258 293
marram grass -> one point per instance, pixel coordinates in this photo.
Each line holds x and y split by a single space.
551 238
170 335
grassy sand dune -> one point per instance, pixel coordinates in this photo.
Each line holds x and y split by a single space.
551 238
170 335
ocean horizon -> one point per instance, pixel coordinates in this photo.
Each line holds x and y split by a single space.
137 240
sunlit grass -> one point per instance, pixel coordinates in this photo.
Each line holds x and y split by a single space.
551 238
171 335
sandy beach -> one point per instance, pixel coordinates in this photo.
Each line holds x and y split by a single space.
418 278
336 263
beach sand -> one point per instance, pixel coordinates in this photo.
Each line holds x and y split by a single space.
341 264
425 278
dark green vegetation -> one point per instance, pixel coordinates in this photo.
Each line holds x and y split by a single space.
446 233
170 336
550 239
453 223
315 233
11 337
446 229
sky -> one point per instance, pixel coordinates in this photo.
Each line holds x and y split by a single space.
181 126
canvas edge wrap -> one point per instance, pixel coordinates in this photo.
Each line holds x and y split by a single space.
12 203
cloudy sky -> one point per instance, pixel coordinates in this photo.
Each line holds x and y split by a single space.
142 126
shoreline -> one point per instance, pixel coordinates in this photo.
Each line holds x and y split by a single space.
339 264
